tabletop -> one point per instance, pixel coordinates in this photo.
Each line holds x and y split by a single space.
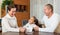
29 33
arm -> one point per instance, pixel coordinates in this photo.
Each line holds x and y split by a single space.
51 28
7 27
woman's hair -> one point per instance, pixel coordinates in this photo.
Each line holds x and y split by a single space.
10 6
36 20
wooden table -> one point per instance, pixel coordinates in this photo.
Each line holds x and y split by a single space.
32 33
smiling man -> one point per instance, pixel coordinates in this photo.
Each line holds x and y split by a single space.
50 19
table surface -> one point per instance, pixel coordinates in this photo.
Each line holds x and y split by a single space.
31 33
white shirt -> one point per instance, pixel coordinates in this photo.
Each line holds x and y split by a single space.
29 27
9 24
50 23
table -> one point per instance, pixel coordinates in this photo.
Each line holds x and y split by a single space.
31 33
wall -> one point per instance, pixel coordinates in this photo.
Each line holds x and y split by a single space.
57 6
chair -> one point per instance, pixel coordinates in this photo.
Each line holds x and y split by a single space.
0 26
57 30
24 22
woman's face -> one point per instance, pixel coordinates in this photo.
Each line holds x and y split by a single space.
12 11
31 20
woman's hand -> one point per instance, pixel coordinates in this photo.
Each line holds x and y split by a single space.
22 29
36 28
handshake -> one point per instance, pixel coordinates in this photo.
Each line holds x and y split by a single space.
22 29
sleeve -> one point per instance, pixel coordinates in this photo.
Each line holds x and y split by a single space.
50 28
7 26
34 25
26 25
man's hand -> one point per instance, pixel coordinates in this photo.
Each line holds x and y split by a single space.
36 28
22 29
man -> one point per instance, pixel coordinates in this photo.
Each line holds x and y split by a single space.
50 20
9 22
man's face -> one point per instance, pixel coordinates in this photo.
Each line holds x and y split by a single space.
12 11
47 10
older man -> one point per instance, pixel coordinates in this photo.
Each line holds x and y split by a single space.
50 20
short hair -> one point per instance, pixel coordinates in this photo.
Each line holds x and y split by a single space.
10 6
50 6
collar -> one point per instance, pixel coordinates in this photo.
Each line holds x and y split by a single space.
8 16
